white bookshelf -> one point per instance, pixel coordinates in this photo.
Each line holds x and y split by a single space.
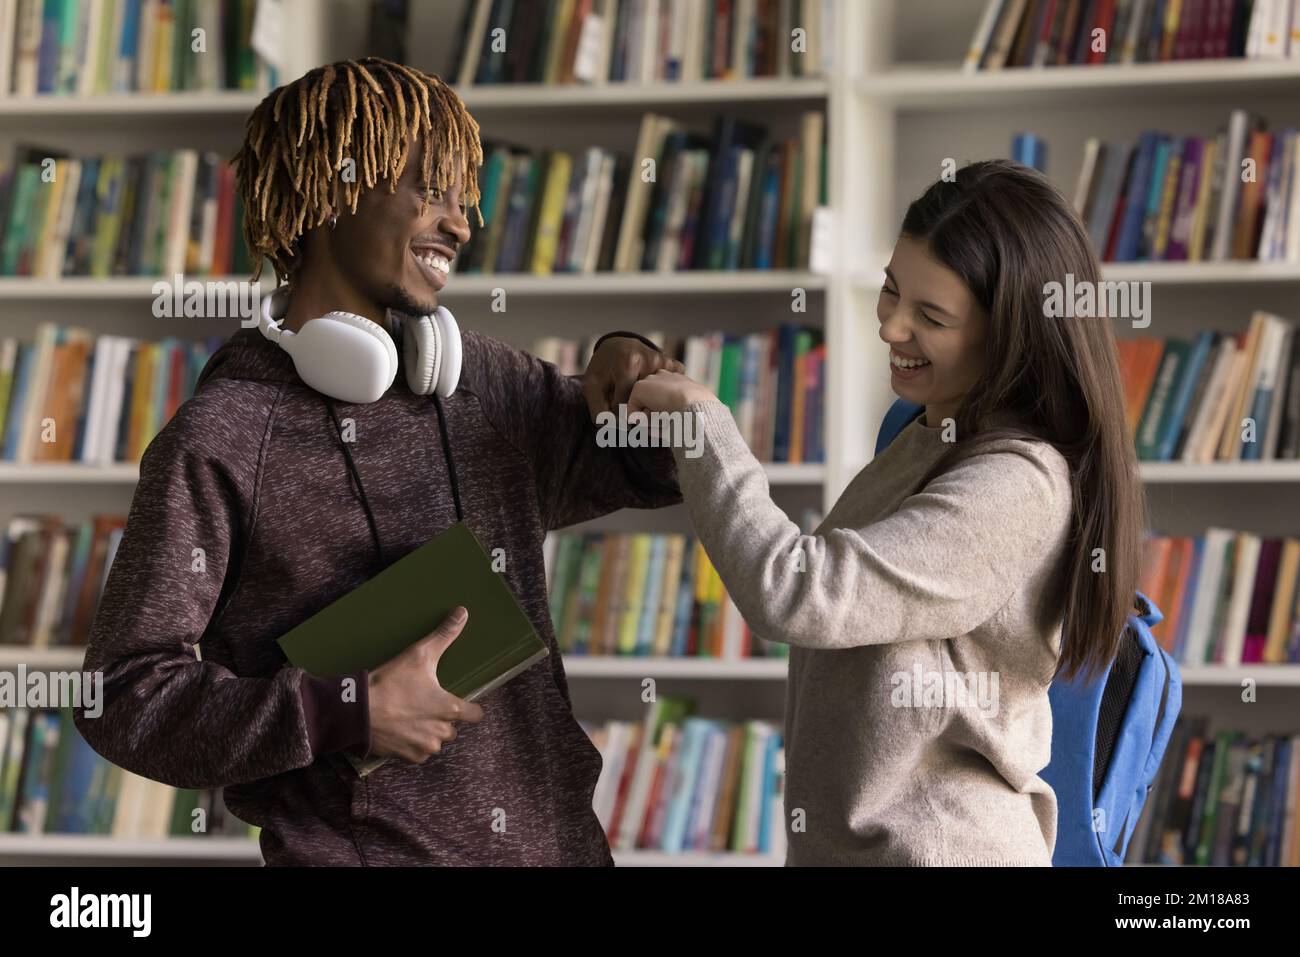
100 848
459 287
232 105
1236 274
580 667
23 849
944 87
892 114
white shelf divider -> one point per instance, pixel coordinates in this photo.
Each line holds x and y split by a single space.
643 858
63 847
596 667
1232 272
945 87
121 473
682 283
613 666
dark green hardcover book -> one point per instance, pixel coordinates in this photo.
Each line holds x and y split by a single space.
405 602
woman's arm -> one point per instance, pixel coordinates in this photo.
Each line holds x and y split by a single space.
943 564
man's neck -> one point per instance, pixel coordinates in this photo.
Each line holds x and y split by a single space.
316 292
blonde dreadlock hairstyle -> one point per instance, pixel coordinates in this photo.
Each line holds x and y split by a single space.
372 111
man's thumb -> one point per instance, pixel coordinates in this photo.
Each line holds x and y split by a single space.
440 639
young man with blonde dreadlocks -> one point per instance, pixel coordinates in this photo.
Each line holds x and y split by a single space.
254 510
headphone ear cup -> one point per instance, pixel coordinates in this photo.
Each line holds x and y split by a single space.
345 356
449 338
423 353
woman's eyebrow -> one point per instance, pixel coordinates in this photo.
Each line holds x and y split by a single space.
929 305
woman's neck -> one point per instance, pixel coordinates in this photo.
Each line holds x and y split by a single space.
935 414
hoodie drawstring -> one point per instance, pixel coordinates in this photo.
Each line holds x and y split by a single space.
361 488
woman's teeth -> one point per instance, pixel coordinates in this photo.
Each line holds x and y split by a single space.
903 363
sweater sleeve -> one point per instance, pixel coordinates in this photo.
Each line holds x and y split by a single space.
166 714
937 568
544 413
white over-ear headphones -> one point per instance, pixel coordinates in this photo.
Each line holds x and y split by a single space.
354 360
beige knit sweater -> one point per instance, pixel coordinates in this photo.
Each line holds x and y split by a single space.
924 626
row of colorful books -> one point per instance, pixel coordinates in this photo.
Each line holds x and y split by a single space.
677 783
1222 799
1228 597
158 214
1235 195
87 47
774 382
51 576
641 41
1217 397
53 782
645 594
72 396
732 200
1038 33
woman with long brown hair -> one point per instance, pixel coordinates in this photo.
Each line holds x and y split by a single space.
994 544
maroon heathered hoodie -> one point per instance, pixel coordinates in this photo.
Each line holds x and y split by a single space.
251 472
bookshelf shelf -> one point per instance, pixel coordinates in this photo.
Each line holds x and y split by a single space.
705 669
686 283
694 859
1161 473
68 474
1204 273
103 846
1166 274
233 105
11 656
778 473
527 97
795 473
520 97
945 87
761 669
59 847
1274 676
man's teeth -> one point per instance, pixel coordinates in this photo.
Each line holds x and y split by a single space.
908 363
434 261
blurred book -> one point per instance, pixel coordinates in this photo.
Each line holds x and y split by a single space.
1044 33
678 783
1223 799
642 41
1168 198
52 782
90 47
732 200
71 396
1217 397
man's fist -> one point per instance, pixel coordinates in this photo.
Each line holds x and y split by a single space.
617 365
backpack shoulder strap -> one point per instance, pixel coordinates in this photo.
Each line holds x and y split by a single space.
896 419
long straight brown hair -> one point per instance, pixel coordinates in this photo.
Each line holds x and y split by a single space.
1008 232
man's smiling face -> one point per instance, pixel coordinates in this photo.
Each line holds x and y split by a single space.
393 254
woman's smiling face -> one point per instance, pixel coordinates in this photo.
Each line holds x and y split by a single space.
935 329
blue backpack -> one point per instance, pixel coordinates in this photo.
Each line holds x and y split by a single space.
1108 735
